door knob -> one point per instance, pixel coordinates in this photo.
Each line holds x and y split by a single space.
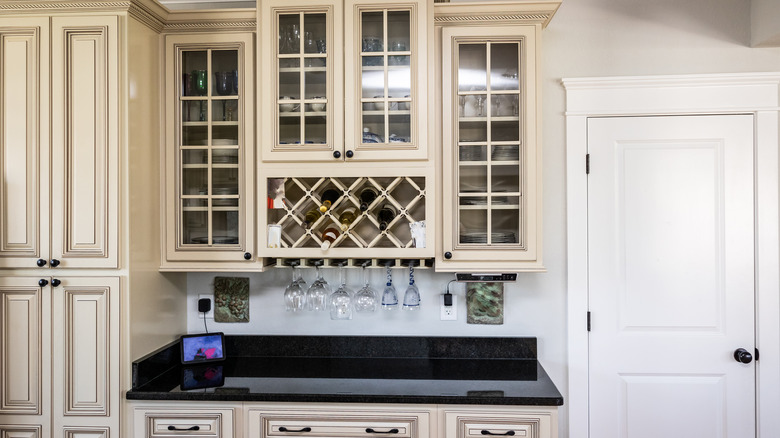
42 282
54 263
41 263
350 154
742 355
447 255
336 154
55 282
247 256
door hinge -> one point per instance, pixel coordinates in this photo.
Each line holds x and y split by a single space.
588 320
587 164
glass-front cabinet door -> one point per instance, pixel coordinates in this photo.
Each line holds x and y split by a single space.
344 80
302 80
208 152
491 158
386 80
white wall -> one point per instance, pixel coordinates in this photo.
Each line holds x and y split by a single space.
585 38
765 23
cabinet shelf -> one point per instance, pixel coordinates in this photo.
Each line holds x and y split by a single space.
302 69
492 119
391 112
382 67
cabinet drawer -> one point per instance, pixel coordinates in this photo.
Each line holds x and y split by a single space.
497 428
195 425
339 427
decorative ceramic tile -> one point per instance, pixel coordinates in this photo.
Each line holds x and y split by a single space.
485 303
231 299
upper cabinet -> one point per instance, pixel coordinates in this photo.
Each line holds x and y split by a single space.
491 150
209 160
60 173
344 80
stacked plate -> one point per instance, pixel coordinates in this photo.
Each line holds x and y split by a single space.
472 153
505 153
495 237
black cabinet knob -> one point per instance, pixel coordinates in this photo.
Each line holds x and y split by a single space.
55 282
42 282
447 255
742 355
336 154
247 256
41 263
350 154
54 263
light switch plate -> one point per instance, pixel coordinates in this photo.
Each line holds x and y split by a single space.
449 313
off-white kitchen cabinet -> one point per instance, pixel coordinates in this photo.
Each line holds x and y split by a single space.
346 421
60 161
522 421
491 197
344 80
195 419
209 152
59 359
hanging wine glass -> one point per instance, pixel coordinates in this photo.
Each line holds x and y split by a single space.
294 296
412 294
365 298
389 296
341 301
298 275
317 295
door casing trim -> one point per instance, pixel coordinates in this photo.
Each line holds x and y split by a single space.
745 93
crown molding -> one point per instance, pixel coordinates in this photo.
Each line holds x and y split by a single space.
510 12
209 20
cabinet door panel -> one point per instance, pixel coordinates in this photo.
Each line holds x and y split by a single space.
21 350
12 431
85 141
23 141
302 117
86 344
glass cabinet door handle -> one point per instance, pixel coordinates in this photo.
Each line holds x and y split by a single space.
447 255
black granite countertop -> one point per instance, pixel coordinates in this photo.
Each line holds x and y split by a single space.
431 370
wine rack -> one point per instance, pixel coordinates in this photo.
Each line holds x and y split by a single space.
406 194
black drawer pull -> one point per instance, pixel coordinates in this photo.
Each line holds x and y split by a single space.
196 427
507 433
370 430
284 429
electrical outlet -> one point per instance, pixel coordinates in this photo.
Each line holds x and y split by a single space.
210 313
449 313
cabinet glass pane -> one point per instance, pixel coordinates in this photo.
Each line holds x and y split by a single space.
472 67
398 23
290 128
195 229
289 33
489 141
373 35
315 33
400 128
473 179
373 80
316 84
373 128
210 147
315 129
504 66
399 80
225 224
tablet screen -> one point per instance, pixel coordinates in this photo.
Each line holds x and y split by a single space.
205 347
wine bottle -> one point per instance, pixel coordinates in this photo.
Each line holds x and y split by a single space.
386 214
328 236
328 197
312 216
347 217
367 196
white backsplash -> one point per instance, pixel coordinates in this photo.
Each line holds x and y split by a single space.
268 316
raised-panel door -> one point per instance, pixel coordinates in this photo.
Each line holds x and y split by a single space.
24 141
85 140
24 357
85 351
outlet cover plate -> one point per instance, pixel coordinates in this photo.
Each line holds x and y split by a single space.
449 313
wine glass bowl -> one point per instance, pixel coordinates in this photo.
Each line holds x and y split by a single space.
340 303
412 294
224 82
318 292
389 295
365 298
294 295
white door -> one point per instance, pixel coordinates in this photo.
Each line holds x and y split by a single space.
671 268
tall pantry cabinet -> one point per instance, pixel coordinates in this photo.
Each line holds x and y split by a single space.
75 115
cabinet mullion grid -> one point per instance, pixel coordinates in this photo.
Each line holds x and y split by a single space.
385 66
301 78
209 137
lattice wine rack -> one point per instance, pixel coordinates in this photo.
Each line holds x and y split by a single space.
363 236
